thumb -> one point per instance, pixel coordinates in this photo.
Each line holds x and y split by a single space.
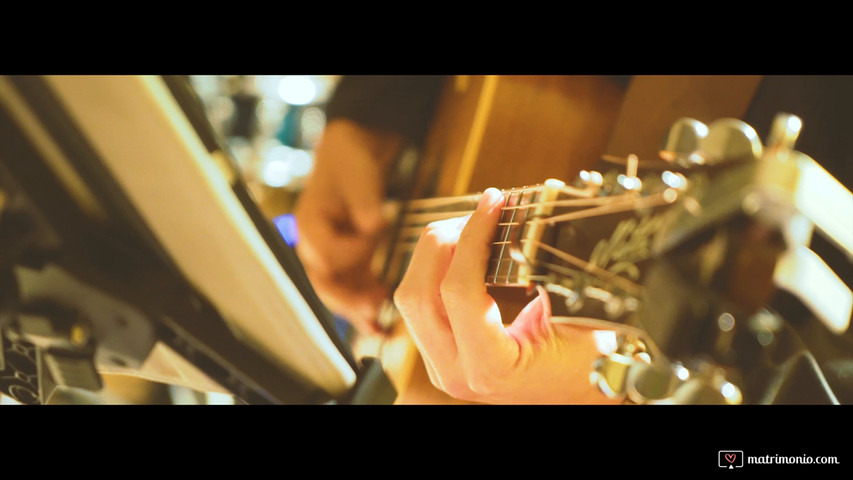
534 320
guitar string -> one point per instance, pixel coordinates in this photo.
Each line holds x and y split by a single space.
608 205
631 163
616 204
658 199
506 236
626 284
646 202
575 202
578 193
584 265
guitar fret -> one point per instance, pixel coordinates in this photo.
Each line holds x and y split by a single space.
505 237
531 199
502 267
511 276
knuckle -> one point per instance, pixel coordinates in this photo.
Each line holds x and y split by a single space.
433 379
433 235
483 384
458 389
441 232
403 299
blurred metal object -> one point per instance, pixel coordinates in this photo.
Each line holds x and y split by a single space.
690 142
682 142
803 273
70 370
794 183
784 132
741 231
651 381
22 375
699 391
730 140
611 373
800 197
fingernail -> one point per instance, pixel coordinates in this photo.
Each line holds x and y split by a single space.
490 197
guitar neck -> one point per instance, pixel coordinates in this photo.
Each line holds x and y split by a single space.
505 268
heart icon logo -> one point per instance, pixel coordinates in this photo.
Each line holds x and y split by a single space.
730 457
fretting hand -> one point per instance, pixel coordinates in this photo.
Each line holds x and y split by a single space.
468 352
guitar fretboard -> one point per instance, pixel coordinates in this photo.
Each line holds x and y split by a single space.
502 267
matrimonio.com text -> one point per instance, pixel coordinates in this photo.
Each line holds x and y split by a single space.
736 459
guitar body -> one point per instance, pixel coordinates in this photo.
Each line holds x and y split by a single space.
510 131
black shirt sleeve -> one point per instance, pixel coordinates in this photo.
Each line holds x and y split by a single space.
403 104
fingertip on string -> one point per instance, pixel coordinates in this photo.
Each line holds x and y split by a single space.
491 196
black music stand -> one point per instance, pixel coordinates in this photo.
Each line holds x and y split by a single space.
122 222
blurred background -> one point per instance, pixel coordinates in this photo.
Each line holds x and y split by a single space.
271 124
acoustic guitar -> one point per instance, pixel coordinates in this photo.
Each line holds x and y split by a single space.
678 257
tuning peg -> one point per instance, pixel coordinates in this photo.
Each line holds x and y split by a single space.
651 381
707 390
609 374
591 180
729 140
697 392
784 132
682 141
629 180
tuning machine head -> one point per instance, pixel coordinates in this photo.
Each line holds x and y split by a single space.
730 140
611 373
651 381
682 142
644 381
784 133
708 389
690 142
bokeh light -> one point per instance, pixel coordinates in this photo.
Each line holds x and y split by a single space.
297 89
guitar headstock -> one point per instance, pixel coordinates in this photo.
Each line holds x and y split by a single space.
589 241
682 255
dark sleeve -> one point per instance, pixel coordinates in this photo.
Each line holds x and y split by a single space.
403 104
